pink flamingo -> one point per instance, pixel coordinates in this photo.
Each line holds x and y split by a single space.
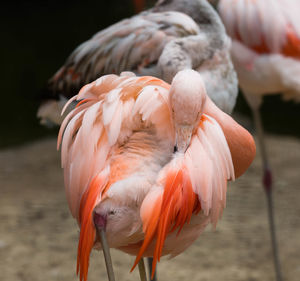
266 55
146 164
172 36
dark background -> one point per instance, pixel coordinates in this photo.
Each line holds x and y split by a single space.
37 37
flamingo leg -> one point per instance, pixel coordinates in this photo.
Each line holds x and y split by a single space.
149 261
106 253
142 270
267 183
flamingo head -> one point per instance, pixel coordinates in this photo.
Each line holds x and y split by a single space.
187 101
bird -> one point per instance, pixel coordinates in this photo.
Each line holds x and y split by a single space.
146 164
169 37
172 36
266 55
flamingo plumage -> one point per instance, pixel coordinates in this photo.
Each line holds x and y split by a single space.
172 36
148 162
266 54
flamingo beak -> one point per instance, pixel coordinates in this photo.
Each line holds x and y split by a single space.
183 137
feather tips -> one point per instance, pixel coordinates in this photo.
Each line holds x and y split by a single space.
111 50
265 26
87 230
191 182
111 108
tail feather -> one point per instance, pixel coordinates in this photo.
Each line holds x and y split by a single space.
150 212
174 207
87 229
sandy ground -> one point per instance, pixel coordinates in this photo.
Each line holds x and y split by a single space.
38 236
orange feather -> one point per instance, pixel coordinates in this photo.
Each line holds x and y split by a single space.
87 228
173 209
291 48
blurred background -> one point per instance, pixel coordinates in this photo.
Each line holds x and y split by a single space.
37 37
38 237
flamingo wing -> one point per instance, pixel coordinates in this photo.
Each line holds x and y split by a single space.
192 182
266 27
109 110
133 44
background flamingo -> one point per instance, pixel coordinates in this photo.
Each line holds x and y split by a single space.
266 55
142 159
172 36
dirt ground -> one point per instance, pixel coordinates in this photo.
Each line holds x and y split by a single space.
38 236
